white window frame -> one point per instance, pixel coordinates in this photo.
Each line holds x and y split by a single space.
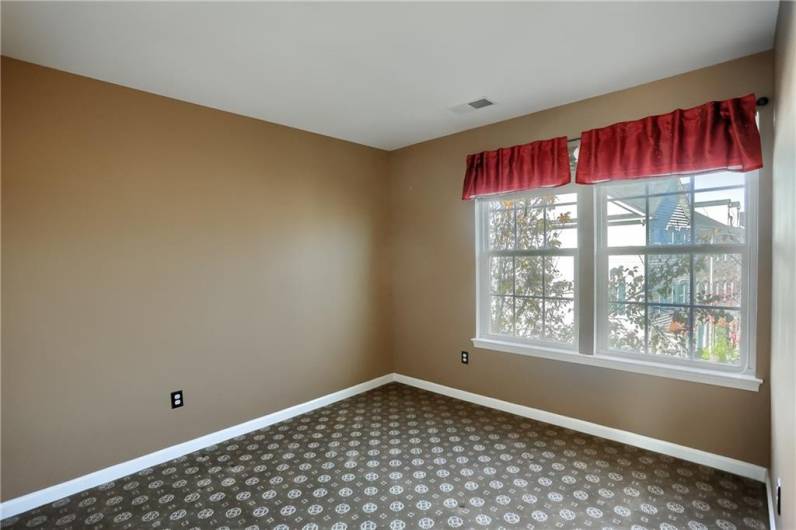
591 292
483 253
748 251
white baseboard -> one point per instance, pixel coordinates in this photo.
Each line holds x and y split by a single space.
53 493
697 456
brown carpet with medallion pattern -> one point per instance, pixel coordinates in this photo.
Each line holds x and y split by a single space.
402 458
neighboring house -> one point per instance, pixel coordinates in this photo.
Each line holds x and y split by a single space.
718 278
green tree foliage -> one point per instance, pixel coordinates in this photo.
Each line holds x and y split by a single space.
532 297
668 327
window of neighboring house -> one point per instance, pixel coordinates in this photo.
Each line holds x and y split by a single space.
528 253
667 251
654 276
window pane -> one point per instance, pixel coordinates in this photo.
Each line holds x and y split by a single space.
560 276
562 198
501 225
523 289
668 331
720 216
668 278
530 228
502 315
528 272
529 317
634 188
668 185
719 179
718 279
670 220
678 298
626 278
534 201
559 320
717 336
626 327
627 222
501 275
562 231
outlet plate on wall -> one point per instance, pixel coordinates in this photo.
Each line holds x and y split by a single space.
177 399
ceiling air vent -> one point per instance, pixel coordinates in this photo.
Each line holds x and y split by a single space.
466 108
480 103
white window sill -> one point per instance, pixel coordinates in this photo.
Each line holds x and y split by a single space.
710 377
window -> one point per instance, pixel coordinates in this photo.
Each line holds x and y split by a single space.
666 266
528 262
673 255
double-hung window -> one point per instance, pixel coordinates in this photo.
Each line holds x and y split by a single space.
671 270
528 259
674 261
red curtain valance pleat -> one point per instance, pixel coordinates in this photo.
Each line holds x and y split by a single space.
719 135
539 164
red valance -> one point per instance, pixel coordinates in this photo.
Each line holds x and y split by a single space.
539 164
716 135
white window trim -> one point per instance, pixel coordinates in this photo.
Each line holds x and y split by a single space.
709 377
586 320
482 280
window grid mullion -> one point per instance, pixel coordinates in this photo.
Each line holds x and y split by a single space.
734 248
544 276
514 223
544 226
646 273
669 193
530 252
544 297
514 288
692 273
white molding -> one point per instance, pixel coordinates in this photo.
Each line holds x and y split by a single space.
697 456
483 255
728 379
772 517
53 493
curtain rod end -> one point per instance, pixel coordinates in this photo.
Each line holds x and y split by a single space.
762 101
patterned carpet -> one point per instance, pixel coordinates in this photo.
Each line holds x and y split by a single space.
398 457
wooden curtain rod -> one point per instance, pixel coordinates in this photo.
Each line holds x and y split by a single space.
762 101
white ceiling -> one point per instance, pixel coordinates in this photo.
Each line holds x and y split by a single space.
383 74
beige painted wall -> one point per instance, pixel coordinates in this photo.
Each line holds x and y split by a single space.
783 332
151 245
433 270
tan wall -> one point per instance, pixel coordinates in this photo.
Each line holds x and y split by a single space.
433 270
783 332
151 245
